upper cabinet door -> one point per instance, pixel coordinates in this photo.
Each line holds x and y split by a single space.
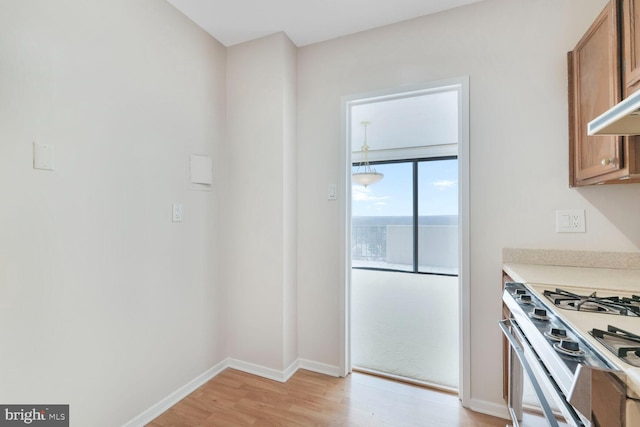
631 45
594 87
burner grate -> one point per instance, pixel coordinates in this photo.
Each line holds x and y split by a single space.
594 304
623 344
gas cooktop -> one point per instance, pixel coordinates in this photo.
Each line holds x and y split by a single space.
587 311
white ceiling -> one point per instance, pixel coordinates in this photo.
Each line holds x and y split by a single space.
304 21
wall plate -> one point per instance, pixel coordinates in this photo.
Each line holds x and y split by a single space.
570 221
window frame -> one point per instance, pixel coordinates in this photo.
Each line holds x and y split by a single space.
415 209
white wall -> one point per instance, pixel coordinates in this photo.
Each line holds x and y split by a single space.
290 204
515 55
106 304
100 292
260 221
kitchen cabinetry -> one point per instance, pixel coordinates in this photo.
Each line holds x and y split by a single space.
631 45
596 76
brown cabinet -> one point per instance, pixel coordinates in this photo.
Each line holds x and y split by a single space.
631 45
596 73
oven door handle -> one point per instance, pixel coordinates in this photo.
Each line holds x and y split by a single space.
546 408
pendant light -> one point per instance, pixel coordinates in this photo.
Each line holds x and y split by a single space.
368 175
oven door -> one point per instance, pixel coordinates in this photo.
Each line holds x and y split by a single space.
523 360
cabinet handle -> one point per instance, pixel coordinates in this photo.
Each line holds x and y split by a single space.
606 162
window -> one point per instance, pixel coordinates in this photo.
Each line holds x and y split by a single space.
381 215
409 220
438 216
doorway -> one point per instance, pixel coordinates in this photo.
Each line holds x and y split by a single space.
406 236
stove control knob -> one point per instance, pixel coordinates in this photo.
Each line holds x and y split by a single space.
521 291
525 298
540 312
570 345
560 333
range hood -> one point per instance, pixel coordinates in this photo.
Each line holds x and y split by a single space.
621 119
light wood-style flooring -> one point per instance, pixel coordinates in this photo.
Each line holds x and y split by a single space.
234 398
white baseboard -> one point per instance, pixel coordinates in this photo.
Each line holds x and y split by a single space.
166 403
489 408
262 371
321 368
283 376
250 368
288 373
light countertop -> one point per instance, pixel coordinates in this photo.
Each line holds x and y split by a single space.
584 277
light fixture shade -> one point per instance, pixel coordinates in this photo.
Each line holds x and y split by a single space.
370 175
366 178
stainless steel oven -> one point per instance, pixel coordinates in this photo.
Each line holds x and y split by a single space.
574 382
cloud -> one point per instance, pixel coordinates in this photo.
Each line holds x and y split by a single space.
443 184
362 194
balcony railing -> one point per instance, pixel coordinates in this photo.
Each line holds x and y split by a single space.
390 245
369 242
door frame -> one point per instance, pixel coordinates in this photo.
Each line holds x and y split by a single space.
462 83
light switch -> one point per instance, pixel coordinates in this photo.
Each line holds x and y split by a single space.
332 192
177 212
43 156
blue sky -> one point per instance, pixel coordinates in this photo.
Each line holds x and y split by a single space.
437 189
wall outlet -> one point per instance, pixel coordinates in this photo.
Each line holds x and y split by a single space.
570 221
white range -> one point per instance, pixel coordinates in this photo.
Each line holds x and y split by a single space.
571 319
